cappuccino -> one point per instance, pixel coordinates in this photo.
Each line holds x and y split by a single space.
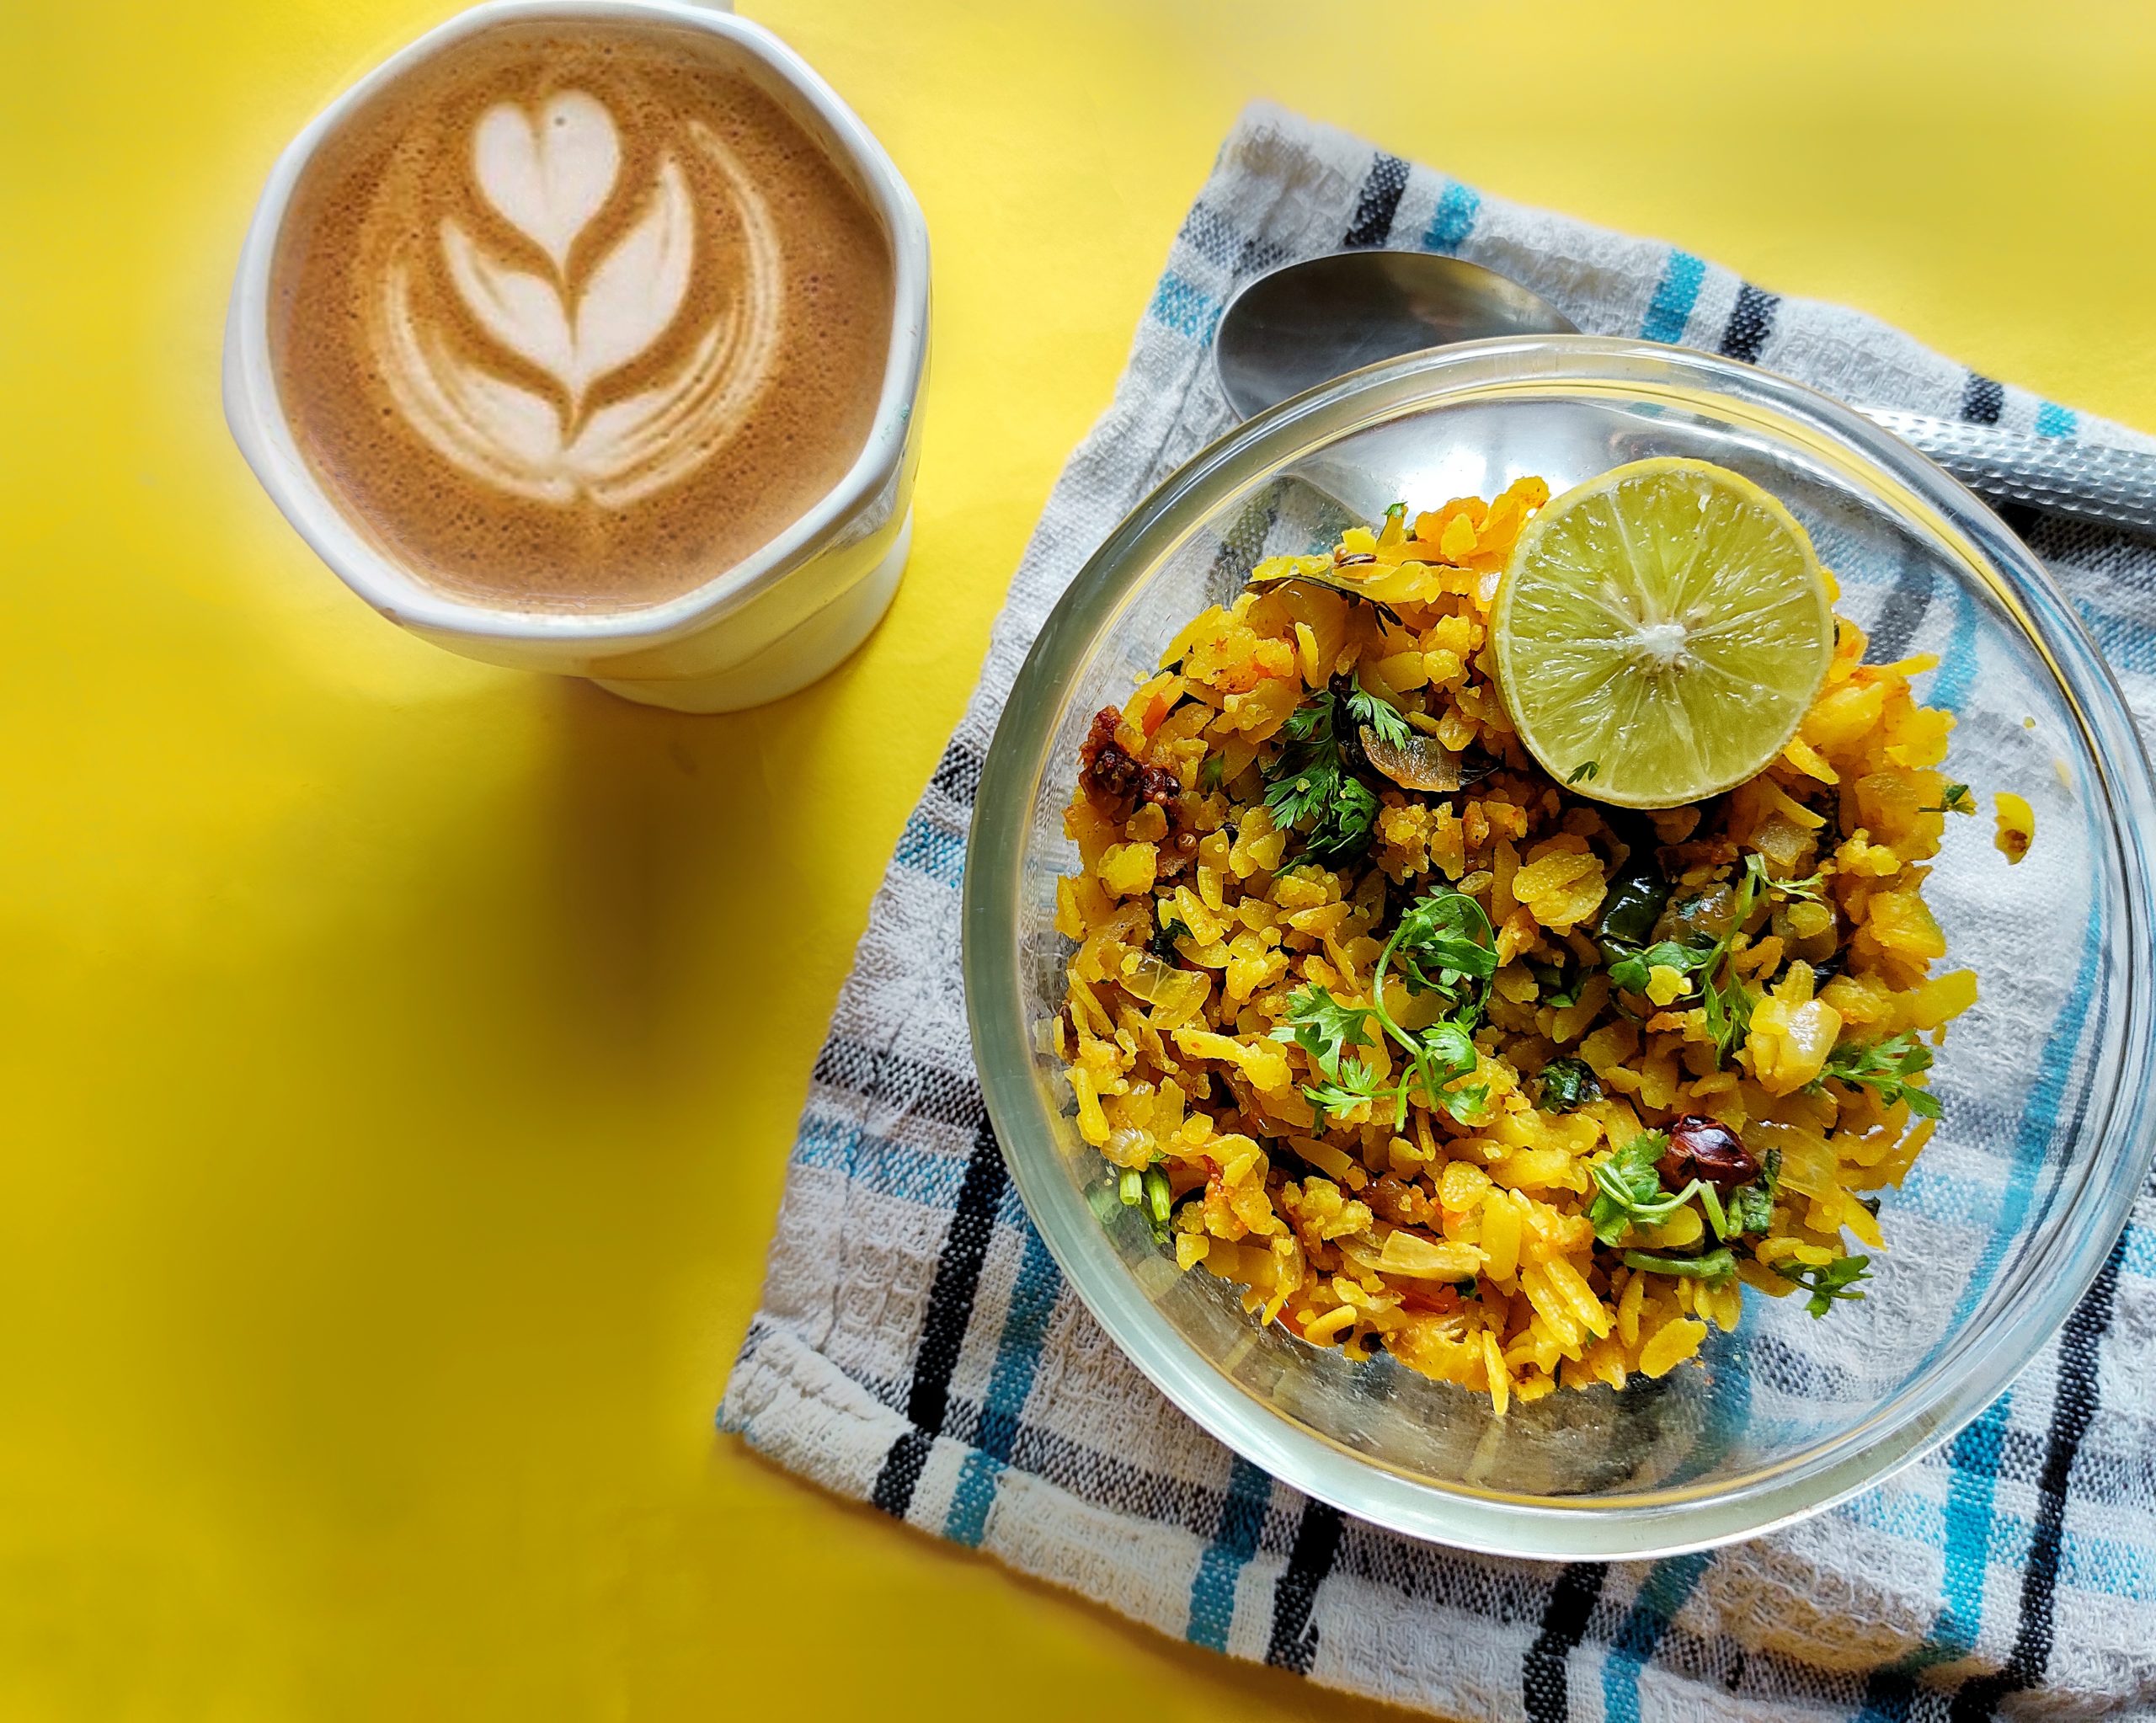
573 316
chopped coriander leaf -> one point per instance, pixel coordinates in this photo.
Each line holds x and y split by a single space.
1441 1055
1208 775
1554 986
1632 971
1752 1206
1585 769
1729 1016
1715 1267
1323 1027
1356 1083
1700 960
1886 1067
1444 940
1567 1084
1302 799
1829 1281
1327 1030
1811 887
1748 887
1384 721
1955 798
1309 786
1448 1049
1629 1182
1345 828
1302 778
1444 944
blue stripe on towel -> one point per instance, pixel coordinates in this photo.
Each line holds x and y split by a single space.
1189 311
1957 660
939 854
1212 1588
930 1177
1674 296
1017 1358
1972 1495
2091 1560
1662 1594
1453 219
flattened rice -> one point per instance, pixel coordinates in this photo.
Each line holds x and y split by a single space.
1425 1051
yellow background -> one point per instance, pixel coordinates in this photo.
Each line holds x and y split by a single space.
401 1056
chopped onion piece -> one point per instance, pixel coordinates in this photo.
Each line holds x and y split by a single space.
1423 764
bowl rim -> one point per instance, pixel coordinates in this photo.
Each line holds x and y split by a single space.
1967 1370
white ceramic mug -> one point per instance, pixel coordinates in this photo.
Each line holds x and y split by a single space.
753 631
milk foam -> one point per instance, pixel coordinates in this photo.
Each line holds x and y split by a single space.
579 294
549 175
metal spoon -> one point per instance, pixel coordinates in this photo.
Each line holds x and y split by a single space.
1307 322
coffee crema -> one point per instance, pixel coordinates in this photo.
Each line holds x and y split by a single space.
573 315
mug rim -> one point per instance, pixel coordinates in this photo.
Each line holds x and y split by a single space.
254 412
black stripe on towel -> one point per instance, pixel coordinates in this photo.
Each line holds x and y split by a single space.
1902 613
1543 1683
2074 1408
1294 1641
1750 321
901 1472
897 1083
957 774
943 1329
1982 400
1374 209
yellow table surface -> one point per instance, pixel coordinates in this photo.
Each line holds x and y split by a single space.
402 1054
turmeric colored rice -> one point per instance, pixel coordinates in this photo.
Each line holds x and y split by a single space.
1427 1052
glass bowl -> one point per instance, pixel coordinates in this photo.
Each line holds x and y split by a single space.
2046 1138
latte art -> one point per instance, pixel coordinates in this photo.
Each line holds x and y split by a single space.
594 297
548 179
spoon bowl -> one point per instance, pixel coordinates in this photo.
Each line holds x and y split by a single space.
1308 323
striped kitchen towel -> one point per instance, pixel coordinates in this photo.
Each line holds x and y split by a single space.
917 1349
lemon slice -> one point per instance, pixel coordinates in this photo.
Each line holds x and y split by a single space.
1660 632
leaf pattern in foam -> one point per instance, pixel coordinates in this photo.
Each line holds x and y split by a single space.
637 289
548 174
520 309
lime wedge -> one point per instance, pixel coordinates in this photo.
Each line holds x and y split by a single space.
1660 632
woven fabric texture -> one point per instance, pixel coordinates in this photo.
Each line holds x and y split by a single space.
917 1349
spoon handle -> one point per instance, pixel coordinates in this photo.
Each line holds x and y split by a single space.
2058 473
